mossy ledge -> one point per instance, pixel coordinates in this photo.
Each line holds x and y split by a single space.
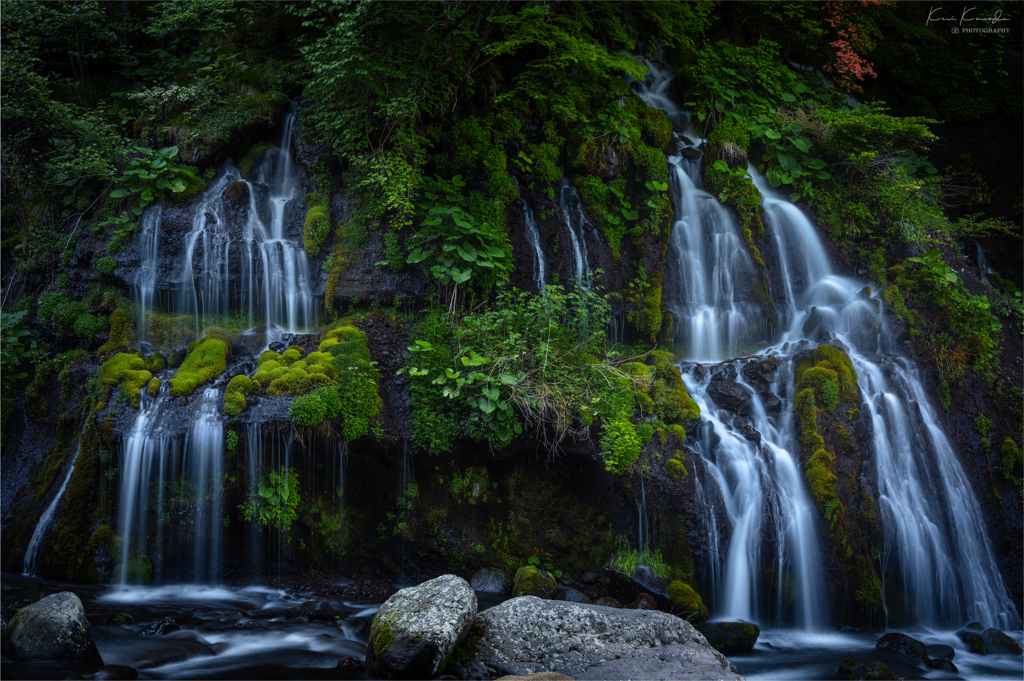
826 404
205 360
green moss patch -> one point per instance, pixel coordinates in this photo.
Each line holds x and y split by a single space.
127 372
234 395
687 603
122 332
205 359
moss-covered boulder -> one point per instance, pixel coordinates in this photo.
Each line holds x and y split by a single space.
154 387
156 362
904 645
53 628
415 631
731 638
998 643
973 640
122 332
205 359
234 395
532 581
687 603
126 372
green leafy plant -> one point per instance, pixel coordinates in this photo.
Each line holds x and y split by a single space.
150 176
276 502
458 245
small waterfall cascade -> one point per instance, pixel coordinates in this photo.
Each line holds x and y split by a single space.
146 275
39 534
575 225
935 534
251 266
185 472
533 237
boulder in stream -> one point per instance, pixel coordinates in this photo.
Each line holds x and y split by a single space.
528 635
312 610
161 627
973 640
904 645
938 651
871 671
53 628
114 671
998 643
944 666
417 628
731 638
490 581
532 581
730 395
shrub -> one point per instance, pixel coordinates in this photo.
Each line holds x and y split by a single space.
105 265
620 445
312 409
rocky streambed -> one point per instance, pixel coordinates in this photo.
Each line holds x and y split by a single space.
492 626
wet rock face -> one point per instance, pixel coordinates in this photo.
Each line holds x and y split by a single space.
730 395
973 640
943 665
731 638
416 629
161 627
312 610
998 643
904 645
490 581
53 628
528 635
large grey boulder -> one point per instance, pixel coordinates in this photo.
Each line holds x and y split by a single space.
53 628
527 635
416 629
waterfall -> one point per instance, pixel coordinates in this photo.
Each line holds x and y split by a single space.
39 534
935 534
533 237
145 278
575 224
253 268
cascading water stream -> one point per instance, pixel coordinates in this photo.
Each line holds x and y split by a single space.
39 534
758 480
533 237
255 269
935 534
575 225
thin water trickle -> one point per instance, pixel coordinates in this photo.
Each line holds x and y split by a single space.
575 225
533 237
39 534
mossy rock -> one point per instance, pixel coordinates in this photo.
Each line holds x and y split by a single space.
236 193
122 332
871 671
205 360
154 387
731 638
234 395
175 359
532 581
973 640
687 603
676 469
156 362
251 159
127 371
672 402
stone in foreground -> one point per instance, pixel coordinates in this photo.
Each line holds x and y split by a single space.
529 635
416 629
53 628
